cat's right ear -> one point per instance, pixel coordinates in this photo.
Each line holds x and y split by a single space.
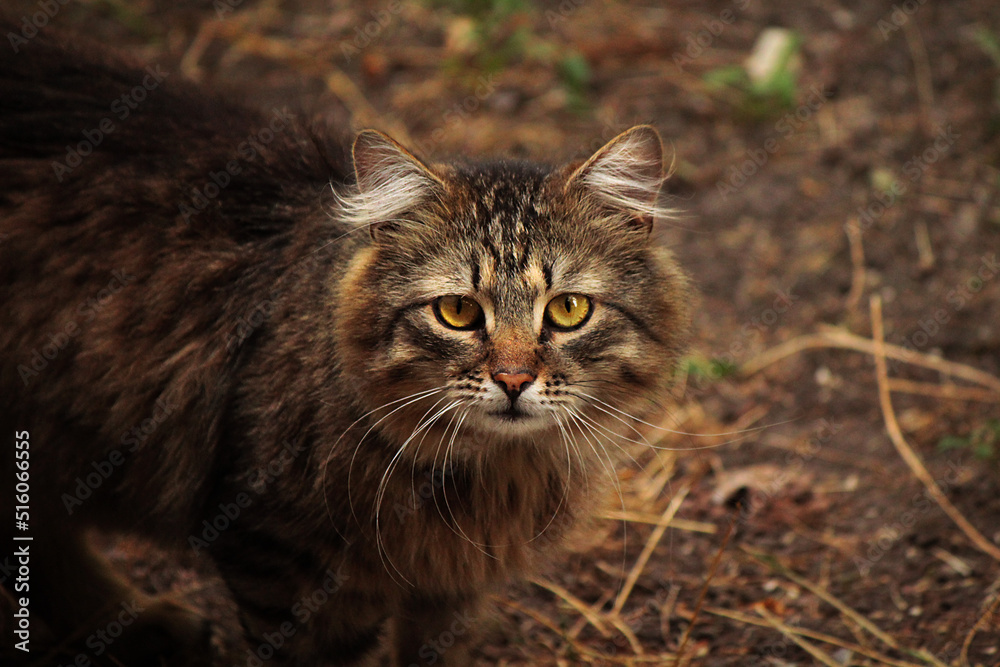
390 181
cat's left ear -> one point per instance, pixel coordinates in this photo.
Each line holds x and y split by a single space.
626 174
390 180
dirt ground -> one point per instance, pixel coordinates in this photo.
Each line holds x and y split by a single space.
864 169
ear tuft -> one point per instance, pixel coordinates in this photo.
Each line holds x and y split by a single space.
390 181
626 173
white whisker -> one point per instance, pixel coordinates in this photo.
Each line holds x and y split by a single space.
566 483
416 396
457 529
577 416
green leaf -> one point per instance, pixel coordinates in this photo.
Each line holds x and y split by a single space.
575 71
989 43
952 442
733 76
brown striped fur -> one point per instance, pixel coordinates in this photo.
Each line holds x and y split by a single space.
253 354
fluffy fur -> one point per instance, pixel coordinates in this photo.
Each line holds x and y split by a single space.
273 346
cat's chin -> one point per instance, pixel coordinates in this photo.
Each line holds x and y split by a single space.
512 425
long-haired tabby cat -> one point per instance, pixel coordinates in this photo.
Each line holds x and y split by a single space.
362 384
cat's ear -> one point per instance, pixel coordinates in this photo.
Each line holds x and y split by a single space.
390 181
626 174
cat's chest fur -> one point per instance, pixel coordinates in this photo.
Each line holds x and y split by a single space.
446 530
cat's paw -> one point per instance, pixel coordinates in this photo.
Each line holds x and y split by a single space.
164 631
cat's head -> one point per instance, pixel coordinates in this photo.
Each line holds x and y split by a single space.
508 298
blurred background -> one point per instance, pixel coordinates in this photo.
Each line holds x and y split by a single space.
835 168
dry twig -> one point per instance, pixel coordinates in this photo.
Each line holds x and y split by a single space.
945 391
812 634
824 595
991 610
858 274
704 591
647 551
905 451
576 603
653 520
799 641
922 69
838 338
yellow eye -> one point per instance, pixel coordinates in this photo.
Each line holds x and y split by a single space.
568 311
458 312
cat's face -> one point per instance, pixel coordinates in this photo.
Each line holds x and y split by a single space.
505 299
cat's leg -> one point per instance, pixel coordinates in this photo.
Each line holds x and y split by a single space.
434 631
78 594
294 608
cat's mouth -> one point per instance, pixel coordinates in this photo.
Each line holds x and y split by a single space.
517 420
511 414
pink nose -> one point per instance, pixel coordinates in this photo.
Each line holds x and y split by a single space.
513 383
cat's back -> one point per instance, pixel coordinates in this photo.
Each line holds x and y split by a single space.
142 220
75 117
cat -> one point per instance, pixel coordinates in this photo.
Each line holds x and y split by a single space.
364 385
